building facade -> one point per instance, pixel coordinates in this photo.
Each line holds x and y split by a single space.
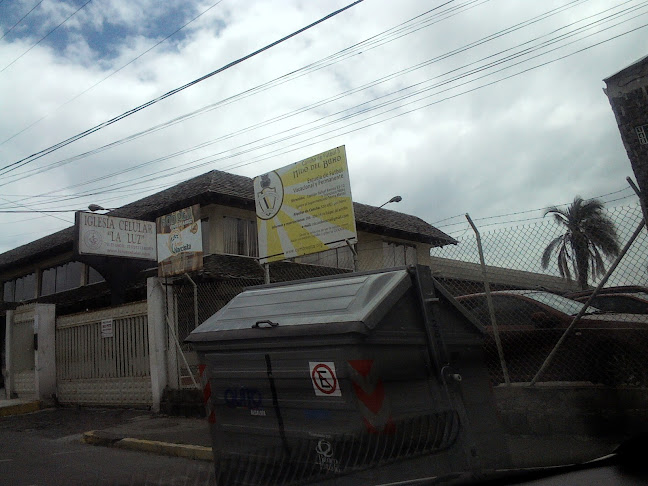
58 310
627 92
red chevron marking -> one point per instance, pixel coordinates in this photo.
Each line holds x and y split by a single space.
362 366
373 401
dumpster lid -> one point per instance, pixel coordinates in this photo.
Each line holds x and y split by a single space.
360 301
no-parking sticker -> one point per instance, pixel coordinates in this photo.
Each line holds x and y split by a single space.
324 378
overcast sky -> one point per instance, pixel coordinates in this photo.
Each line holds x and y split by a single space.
531 141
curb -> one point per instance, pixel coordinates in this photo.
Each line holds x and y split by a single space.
21 408
100 438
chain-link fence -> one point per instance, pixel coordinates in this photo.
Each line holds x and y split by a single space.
535 281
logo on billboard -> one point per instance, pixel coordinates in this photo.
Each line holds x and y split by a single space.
270 195
93 240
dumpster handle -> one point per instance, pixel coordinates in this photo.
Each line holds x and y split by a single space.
265 321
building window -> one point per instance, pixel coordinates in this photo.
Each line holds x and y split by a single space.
93 276
337 257
240 237
61 278
398 254
20 289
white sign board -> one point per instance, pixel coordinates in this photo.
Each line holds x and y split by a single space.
107 328
99 234
179 242
305 207
324 379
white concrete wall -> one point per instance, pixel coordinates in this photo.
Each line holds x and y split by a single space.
45 354
157 340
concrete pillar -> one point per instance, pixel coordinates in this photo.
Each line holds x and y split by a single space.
45 353
8 354
157 340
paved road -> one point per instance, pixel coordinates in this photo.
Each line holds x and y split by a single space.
27 459
44 449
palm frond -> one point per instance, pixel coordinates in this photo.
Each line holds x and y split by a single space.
546 255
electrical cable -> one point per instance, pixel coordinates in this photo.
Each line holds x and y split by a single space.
463 215
320 103
313 67
20 20
45 36
268 155
112 73
247 93
533 67
132 111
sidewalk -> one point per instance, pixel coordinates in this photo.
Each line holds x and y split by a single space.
172 436
16 406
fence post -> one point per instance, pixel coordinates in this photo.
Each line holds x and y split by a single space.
580 314
266 273
195 299
489 300
354 251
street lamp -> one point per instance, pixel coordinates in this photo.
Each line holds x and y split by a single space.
394 199
96 207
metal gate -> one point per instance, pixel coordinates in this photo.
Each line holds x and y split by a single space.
102 357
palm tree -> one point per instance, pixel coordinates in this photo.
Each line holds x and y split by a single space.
588 234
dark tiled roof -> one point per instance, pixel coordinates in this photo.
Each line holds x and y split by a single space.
217 187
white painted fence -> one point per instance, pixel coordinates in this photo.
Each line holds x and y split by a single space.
102 357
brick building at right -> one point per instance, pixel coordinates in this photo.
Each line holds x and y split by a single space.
627 91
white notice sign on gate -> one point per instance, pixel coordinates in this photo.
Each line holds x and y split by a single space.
107 328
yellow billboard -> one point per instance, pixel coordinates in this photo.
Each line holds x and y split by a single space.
305 207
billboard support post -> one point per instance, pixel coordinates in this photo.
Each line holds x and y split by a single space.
355 255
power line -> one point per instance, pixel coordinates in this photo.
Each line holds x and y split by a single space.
334 58
182 170
463 215
336 97
380 121
132 111
112 73
45 36
522 220
269 84
20 20
50 215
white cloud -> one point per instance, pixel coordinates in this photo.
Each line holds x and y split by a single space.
527 142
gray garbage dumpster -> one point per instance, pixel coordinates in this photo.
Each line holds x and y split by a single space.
365 378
